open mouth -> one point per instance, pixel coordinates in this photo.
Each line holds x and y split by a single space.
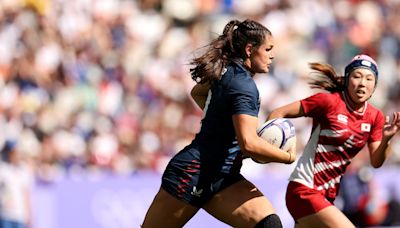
360 92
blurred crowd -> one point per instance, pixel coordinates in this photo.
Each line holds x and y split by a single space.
104 84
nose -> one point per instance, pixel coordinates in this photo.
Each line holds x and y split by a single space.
363 81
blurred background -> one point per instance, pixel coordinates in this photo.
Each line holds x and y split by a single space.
94 101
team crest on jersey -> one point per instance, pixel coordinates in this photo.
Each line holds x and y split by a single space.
342 118
366 127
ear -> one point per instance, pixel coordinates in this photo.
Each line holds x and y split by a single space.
248 49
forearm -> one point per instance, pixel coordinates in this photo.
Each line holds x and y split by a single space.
253 145
292 110
261 150
390 128
381 153
274 115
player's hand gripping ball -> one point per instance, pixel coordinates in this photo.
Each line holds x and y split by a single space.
279 132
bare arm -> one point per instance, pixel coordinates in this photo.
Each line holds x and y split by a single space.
199 94
379 150
254 146
291 110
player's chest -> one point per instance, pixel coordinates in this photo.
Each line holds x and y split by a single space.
345 128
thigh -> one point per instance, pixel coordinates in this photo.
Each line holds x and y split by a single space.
327 217
168 211
239 205
302 201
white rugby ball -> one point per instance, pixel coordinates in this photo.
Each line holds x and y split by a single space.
279 132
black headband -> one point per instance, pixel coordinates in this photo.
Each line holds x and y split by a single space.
361 63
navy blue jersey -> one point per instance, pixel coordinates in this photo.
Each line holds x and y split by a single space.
235 93
213 160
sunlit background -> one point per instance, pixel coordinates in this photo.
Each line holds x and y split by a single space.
94 100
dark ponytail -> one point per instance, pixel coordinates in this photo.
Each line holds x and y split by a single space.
330 81
227 47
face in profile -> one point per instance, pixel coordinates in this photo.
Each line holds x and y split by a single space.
261 58
361 85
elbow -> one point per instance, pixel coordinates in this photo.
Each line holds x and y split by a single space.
246 147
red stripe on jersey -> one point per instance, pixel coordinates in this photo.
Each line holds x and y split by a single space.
338 134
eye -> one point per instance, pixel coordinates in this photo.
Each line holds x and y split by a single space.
269 49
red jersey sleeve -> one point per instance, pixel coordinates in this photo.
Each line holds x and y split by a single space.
317 104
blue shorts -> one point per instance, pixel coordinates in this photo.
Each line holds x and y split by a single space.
189 180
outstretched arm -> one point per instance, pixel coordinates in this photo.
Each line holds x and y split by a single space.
379 150
291 110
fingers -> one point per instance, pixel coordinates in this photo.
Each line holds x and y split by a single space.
396 118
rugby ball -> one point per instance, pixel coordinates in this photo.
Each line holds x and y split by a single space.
279 132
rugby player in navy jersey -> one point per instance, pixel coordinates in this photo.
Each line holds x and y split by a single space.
206 173
343 123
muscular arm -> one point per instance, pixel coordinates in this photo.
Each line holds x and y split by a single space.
199 94
378 152
291 110
254 146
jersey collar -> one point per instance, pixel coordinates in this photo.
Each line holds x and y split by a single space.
351 109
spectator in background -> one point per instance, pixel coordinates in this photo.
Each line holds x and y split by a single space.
206 173
364 202
343 123
67 64
15 189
